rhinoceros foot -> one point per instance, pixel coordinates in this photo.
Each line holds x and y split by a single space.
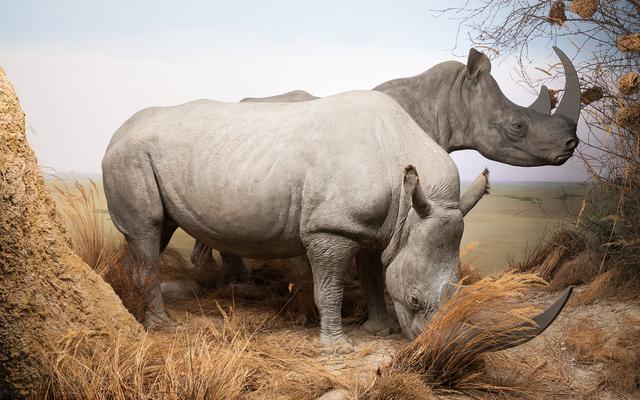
336 345
382 326
159 323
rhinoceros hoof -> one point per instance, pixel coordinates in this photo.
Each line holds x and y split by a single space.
159 324
381 326
336 345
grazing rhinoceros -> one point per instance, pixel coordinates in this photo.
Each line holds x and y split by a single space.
462 107
273 180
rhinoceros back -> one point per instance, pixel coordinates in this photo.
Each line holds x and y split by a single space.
252 178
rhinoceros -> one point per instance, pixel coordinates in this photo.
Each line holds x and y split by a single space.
462 107
328 179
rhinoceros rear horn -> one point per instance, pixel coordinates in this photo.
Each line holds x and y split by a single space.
570 104
412 187
543 102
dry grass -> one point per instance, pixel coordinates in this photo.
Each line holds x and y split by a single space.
91 239
201 361
619 351
449 353
629 116
619 282
550 259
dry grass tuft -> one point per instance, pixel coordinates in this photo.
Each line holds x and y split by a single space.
200 361
549 260
619 282
556 13
91 240
400 386
590 95
586 340
618 351
449 353
584 8
629 116
469 274
629 42
629 83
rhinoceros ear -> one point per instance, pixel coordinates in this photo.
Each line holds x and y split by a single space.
474 193
412 187
476 62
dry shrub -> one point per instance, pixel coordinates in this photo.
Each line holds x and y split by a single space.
629 83
586 340
622 371
584 8
578 270
449 353
400 386
201 361
619 350
548 257
629 42
629 116
556 13
620 282
590 95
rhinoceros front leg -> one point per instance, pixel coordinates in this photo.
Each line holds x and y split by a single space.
371 276
234 269
330 257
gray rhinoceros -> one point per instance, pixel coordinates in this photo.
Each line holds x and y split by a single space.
462 107
275 180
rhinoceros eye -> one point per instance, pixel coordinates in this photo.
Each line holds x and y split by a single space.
518 127
414 302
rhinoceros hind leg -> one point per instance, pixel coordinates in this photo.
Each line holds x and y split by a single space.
330 256
234 269
371 276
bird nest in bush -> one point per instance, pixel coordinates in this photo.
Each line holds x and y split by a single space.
629 116
584 8
629 83
629 42
556 13
590 95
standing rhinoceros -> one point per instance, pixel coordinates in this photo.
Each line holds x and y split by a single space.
275 180
462 107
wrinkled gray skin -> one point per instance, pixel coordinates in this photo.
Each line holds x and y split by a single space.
462 107
275 180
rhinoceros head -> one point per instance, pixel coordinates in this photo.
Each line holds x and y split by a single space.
524 136
425 263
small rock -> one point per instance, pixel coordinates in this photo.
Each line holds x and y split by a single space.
335 394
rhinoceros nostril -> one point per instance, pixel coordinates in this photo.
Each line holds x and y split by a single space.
572 143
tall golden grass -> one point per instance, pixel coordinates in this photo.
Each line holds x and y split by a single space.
202 360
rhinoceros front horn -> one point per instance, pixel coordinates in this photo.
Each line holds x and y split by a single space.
543 102
525 332
570 104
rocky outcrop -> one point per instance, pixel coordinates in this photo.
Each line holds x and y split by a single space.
46 291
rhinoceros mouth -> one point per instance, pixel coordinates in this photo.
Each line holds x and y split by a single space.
562 158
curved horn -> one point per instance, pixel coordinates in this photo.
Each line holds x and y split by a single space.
570 104
527 331
543 102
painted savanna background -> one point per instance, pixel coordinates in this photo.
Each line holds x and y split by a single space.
68 316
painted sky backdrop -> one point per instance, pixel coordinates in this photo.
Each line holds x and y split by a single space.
81 68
